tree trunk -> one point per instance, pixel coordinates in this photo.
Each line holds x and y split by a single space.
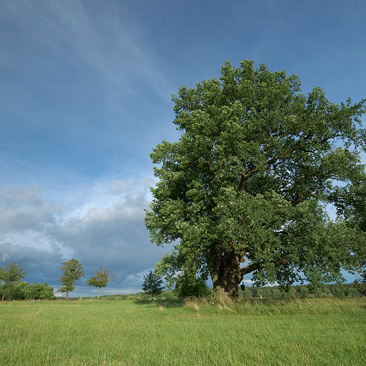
67 295
3 297
226 276
100 289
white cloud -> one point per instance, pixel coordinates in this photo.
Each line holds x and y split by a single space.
23 209
113 234
119 186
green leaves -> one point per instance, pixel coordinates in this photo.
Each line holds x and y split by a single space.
9 277
101 278
72 272
11 273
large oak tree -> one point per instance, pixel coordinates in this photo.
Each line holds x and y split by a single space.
247 187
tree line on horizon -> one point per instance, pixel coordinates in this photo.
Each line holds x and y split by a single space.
12 288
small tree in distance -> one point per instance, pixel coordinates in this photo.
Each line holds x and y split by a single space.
73 271
9 276
100 280
153 284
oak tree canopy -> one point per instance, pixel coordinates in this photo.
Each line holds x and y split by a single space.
247 187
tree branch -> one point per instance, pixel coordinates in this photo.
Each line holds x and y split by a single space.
245 176
248 269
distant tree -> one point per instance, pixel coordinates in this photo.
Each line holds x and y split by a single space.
360 283
27 291
153 284
39 291
100 280
9 276
72 271
18 291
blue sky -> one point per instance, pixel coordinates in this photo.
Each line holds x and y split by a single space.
85 95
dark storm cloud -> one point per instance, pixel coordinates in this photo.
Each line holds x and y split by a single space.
114 237
41 266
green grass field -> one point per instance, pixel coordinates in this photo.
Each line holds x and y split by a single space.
88 332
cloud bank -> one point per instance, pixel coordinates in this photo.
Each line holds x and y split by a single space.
108 230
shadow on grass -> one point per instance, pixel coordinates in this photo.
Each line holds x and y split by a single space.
168 304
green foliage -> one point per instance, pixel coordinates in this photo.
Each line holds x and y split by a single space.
72 272
100 280
304 291
250 178
39 291
191 286
27 291
360 283
9 277
18 291
153 284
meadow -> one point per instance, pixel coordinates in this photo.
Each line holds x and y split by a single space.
121 332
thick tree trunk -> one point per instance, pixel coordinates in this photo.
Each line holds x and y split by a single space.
226 276
100 289
67 295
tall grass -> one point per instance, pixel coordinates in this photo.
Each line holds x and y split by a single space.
307 332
